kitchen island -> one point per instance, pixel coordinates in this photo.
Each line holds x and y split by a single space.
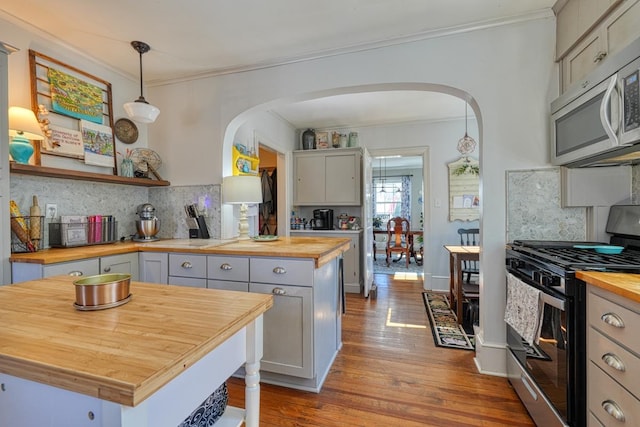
300 273
149 362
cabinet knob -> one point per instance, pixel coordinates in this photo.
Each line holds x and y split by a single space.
599 56
107 269
612 319
75 273
613 409
278 291
614 361
186 264
279 270
226 267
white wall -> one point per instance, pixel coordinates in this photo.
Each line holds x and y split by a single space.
508 71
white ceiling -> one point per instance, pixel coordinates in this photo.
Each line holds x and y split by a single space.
207 37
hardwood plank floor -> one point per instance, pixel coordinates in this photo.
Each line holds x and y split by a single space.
390 373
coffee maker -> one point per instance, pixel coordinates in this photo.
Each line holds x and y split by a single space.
322 219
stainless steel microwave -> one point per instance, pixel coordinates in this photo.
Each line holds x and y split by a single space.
597 121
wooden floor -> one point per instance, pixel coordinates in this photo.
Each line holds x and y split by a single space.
390 373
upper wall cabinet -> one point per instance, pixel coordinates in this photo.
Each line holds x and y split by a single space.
590 31
327 177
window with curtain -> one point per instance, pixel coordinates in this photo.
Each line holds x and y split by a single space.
392 197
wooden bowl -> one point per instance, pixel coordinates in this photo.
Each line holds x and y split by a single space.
102 290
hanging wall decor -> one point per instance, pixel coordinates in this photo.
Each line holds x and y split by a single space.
63 96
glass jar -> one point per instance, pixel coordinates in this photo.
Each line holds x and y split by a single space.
126 168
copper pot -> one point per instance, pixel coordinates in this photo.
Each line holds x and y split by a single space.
102 289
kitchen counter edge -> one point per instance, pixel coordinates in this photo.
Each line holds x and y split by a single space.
623 284
321 249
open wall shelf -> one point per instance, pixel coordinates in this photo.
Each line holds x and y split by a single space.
49 172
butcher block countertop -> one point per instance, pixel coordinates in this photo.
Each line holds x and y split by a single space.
623 284
321 249
122 354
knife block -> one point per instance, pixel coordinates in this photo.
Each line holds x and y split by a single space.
198 228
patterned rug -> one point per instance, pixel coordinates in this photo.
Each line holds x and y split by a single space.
380 266
444 324
448 333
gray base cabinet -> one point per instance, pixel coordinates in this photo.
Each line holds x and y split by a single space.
124 263
613 359
301 332
352 258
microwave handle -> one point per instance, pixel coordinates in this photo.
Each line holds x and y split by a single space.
604 118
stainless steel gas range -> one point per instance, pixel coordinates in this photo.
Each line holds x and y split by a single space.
549 374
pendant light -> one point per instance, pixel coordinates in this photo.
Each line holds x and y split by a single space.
140 110
466 144
382 190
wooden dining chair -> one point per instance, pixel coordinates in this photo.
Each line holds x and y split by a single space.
398 240
469 237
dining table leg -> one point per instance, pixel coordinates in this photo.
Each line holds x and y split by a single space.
451 279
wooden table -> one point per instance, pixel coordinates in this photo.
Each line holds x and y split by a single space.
457 254
412 233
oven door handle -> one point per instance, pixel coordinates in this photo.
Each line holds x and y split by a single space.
552 301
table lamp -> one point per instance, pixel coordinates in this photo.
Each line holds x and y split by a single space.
23 126
242 190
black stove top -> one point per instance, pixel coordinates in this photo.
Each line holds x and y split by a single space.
563 254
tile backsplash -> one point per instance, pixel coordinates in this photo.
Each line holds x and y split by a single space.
75 197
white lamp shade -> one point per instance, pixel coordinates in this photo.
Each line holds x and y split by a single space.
141 112
239 189
23 121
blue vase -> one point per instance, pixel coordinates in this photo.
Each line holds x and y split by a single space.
20 149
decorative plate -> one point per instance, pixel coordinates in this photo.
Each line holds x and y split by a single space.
264 238
126 131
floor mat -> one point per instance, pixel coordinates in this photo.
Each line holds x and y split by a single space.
444 323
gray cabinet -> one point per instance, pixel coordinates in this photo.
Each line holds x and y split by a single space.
122 263
188 270
613 359
595 30
228 273
154 267
327 177
352 258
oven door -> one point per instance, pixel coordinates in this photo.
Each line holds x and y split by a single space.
540 372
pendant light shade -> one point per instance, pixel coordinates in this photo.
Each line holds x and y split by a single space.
140 110
466 144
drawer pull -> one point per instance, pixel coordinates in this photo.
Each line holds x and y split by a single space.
599 56
278 291
613 361
186 264
226 267
107 269
279 270
75 273
614 410
612 319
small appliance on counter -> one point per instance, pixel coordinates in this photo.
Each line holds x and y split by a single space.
322 219
148 226
348 222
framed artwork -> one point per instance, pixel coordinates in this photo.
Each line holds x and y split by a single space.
67 101
322 140
464 190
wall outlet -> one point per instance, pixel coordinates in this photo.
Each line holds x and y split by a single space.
51 210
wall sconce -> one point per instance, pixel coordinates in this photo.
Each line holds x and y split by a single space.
140 110
242 190
23 126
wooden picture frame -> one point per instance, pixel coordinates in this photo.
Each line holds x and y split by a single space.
64 127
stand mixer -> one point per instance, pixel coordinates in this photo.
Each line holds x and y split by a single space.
148 225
